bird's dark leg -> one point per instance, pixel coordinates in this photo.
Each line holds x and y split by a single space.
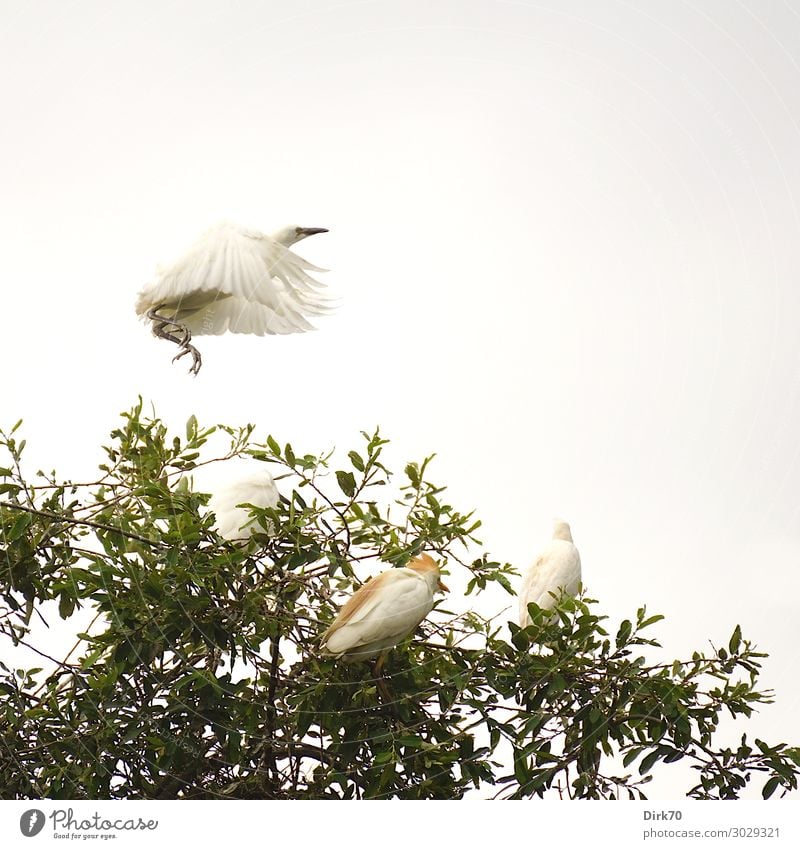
160 325
380 682
161 322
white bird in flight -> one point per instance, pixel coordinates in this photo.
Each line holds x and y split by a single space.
384 610
234 522
234 280
556 569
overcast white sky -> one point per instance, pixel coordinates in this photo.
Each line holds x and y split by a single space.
564 236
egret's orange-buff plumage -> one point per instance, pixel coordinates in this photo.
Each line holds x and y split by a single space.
384 610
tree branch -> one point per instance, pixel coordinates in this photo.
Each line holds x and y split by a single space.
68 520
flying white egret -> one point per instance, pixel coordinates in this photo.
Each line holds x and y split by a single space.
234 280
234 522
557 568
384 611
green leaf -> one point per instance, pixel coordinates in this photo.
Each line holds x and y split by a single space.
66 604
647 762
624 632
669 755
631 756
18 526
356 460
347 483
412 472
771 786
411 740
735 640
521 770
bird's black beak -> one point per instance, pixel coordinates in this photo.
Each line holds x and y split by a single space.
303 232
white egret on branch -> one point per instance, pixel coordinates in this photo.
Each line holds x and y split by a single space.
234 522
234 280
556 569
384 610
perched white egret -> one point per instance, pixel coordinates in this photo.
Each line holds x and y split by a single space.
233 280
384 610
557 568
234 522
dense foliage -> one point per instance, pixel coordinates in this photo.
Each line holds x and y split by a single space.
200 675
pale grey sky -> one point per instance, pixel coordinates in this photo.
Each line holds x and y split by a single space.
564 236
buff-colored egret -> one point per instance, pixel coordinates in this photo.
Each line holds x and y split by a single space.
234 280
557 569
384 611
234 521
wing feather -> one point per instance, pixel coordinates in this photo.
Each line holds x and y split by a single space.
239 316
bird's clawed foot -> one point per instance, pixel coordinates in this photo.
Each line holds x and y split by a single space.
197 360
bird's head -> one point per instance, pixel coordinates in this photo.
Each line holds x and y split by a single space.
426 566
289 236
561 530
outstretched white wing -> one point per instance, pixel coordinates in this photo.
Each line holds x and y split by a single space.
237 280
